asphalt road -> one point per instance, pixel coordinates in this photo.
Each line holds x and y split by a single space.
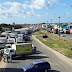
68 37
42 53
65 36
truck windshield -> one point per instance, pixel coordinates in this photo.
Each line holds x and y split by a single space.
31 65
7 46
7 50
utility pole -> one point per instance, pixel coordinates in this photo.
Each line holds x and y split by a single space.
59 26
47 22
51 21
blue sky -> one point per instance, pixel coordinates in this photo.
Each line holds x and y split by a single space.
35 11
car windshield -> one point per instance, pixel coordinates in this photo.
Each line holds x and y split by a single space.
31 65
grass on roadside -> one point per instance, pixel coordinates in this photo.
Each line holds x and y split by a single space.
57 44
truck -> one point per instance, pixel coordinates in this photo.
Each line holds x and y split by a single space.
13 35
10 40
18 49
3 41
20 40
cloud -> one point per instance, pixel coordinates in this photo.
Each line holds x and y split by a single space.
39 4
31 14
38 15
28 14
54 1
3 11
26 9
48 4
15 9
25 6
26 2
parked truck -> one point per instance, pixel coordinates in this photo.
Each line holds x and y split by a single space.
18 49
10 40
3 41
20 40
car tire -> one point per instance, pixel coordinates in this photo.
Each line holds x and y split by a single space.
46 70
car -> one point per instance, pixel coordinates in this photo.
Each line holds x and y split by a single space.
33 48
38 66
26 38
62 35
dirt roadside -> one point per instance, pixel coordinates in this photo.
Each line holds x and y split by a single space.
2 63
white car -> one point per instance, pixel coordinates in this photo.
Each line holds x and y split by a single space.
62 35
33 48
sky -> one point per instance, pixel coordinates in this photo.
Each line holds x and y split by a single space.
35 11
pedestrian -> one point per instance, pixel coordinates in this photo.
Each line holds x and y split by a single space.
11 58
4 57
7 59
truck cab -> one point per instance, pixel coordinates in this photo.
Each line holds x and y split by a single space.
8 50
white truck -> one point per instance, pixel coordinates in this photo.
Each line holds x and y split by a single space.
10 40
18 49
20 40
3 41
13 35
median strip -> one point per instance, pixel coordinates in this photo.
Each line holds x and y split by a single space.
53 41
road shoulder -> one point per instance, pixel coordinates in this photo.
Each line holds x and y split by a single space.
2 64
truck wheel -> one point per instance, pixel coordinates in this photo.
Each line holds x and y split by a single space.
23 55
35 49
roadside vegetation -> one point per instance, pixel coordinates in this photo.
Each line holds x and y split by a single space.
4 26
53 41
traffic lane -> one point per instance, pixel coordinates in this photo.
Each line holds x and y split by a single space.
68 37
19 70
54 60
18 63
11 70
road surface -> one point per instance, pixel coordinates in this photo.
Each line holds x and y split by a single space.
43 53
68 37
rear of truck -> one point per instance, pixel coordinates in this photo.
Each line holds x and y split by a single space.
22 48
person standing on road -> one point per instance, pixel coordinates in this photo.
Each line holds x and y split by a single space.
4 57
11 58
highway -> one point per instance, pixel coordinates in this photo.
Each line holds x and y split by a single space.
42 53
68 37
